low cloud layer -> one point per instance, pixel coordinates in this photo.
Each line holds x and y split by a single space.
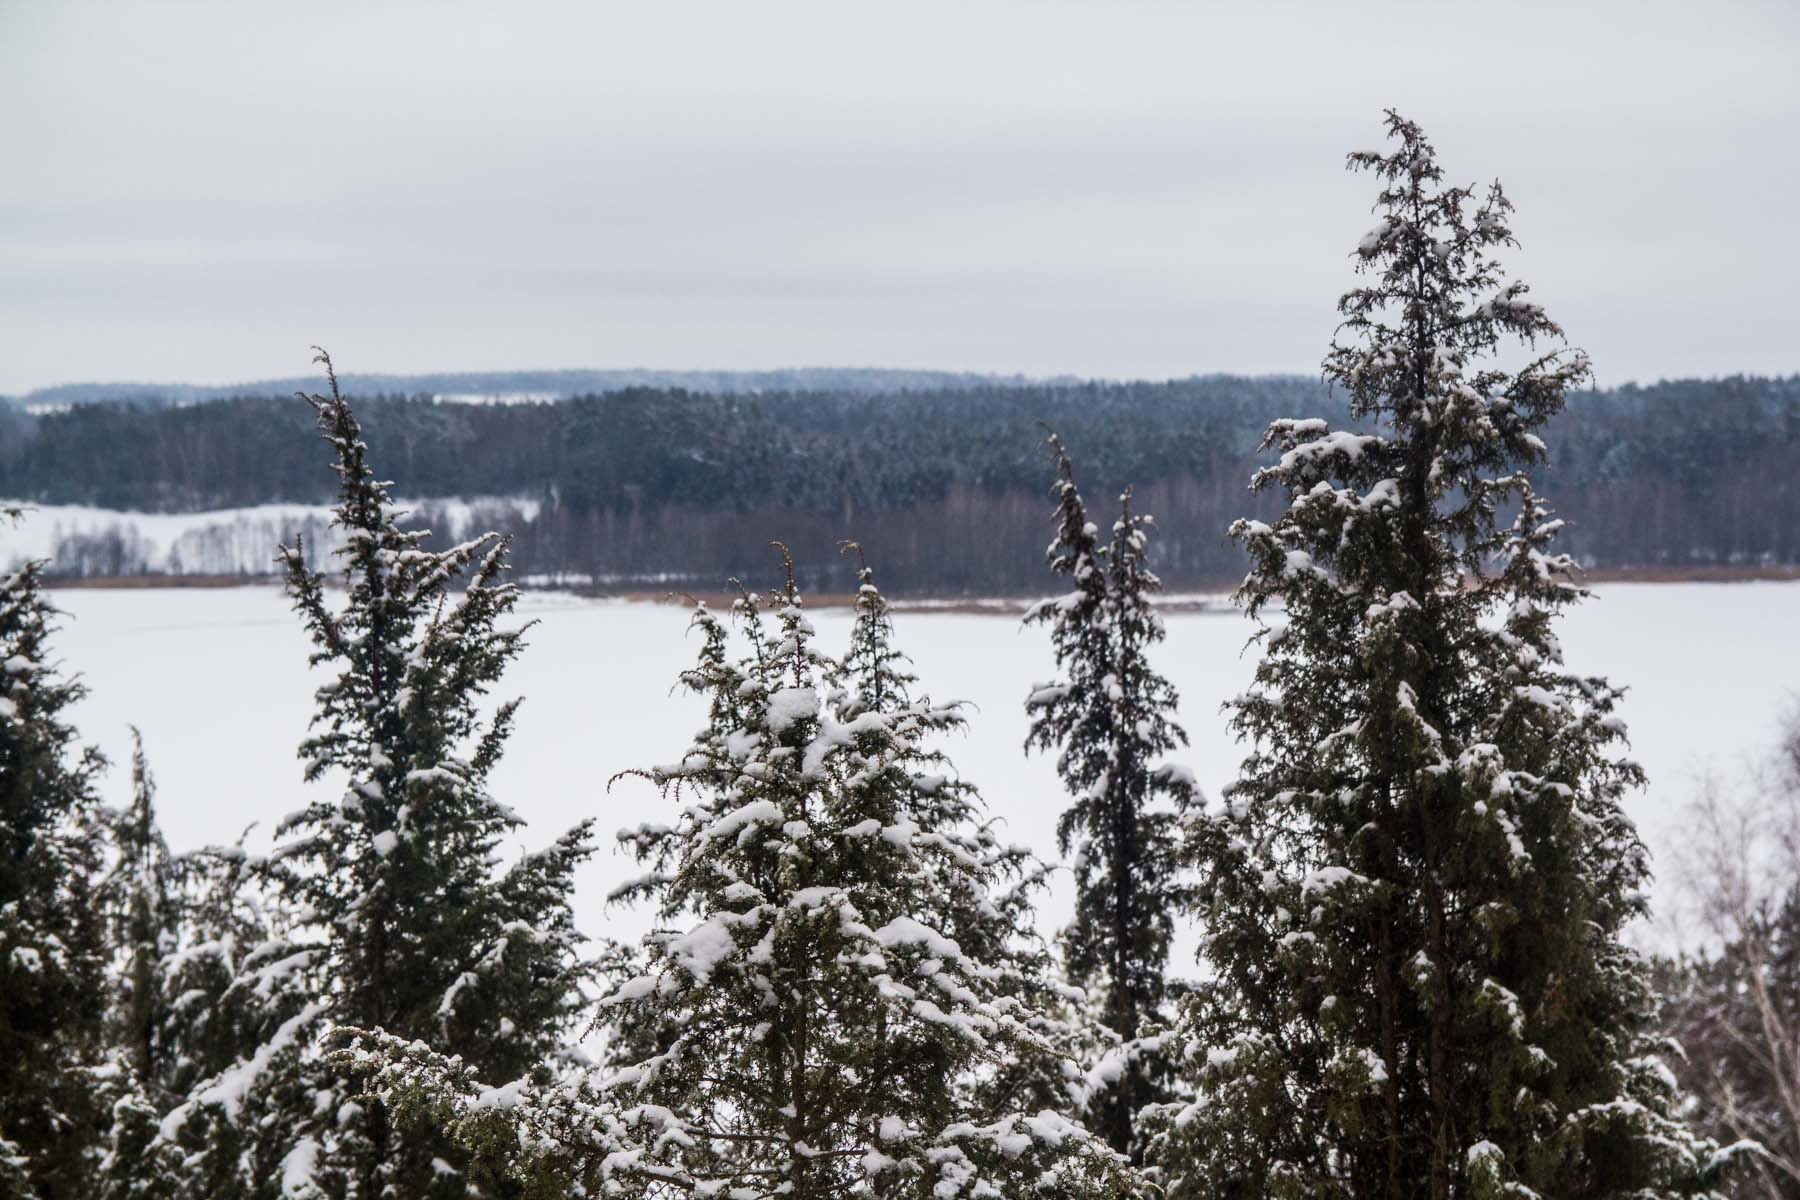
197 191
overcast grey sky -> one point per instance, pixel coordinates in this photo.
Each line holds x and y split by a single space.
196 192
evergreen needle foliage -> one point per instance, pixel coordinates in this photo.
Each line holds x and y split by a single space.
198 982
52 945
398 916
1110 718
140 896
1414 892
843 1000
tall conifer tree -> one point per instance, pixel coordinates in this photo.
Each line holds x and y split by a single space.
52 994
398 917
852 969
1109 716
141 898
1415 890
841 994
198 982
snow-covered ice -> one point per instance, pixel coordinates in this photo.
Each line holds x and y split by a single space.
217 680
225 541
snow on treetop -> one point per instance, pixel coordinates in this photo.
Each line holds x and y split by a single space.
791 704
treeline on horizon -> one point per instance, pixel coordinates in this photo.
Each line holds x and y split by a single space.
663 487
542 385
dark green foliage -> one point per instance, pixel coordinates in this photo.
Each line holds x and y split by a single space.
418 828
653 486
846 898
844 999
139 897
52 943
200 981
1414 893
1109 717
641 448
395 914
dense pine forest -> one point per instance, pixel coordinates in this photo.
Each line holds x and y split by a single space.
1416 975
645 486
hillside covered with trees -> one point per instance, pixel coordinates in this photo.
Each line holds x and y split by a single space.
664 486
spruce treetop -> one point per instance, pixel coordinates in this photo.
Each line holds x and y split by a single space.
398 914
1448 434
414 660
842 990
1413 895
402 720
879 670
1110 717
140 895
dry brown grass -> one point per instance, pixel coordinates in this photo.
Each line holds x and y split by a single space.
1204 597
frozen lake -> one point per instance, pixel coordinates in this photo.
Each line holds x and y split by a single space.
217 681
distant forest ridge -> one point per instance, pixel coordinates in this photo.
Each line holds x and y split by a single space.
947 486
525 386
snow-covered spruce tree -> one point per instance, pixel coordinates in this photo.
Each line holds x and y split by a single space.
198 982
52 960
851 976
835 1005
401 919
139 899
876 676
140 896
1413 894
1110 718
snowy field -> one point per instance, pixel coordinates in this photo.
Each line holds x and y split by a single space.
222 541
217 681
